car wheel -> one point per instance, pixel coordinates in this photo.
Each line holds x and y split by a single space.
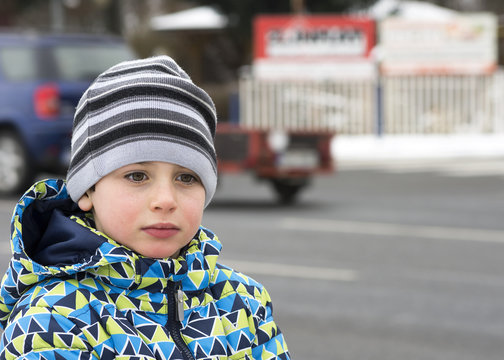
287 190
15 169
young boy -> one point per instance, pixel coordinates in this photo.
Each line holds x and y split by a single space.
114 263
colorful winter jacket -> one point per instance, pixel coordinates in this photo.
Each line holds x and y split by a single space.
70 292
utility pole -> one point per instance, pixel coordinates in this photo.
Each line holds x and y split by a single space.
57 15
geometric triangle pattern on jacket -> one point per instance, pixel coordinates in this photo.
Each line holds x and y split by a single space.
115 303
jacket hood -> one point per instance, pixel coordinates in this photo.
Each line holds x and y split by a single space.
52 237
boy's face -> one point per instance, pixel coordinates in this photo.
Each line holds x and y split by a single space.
153 208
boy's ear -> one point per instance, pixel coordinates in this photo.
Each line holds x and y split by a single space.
85 203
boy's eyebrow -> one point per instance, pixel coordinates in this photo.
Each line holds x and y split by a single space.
140 163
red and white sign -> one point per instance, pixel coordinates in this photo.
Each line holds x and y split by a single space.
313 36
463 44
315 45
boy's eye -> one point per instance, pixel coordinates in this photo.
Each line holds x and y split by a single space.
136 176
187 178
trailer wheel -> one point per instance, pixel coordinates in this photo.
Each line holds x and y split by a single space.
287 190
15 170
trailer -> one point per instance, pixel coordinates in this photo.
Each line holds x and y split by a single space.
287 154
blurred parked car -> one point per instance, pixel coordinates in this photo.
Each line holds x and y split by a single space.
41 80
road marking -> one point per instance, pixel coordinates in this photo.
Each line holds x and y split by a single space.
455 277
293 271
450 168
375 228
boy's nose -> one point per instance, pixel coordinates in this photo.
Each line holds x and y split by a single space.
163 198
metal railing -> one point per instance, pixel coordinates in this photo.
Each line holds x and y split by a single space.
448 104
428 104
342 106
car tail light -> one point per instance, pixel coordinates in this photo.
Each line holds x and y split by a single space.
47 102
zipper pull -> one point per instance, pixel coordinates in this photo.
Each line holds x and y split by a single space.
179 301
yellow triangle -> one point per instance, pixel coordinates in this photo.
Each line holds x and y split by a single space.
227 272
197 277
103 270
269 328
203 236
147 281
34 310
280 346
241 289
123 302
17 224
41 303
147 306
80 300
163 310
257 293
19 343
113 327
41 189
39 343
4 309
90 282
28 279
242 321
78 343
265 297
243 276
59 289
208 299
27 264
178 266
63 310
227 288
228 325
160 335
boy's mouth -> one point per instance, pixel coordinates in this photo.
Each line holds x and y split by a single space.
161 231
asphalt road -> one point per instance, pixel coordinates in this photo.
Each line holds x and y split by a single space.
371 264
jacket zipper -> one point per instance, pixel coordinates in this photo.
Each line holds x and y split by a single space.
175 317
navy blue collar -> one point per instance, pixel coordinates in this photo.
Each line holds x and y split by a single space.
51 237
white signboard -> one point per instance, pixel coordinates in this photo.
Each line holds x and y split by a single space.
331 41
462 44
313 47
315 70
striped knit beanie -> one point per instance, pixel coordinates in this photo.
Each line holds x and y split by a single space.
142 110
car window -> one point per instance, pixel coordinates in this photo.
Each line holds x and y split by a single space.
61 62
18 63
86 62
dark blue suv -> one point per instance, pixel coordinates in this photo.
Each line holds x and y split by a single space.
41 80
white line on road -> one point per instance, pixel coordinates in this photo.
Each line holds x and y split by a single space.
444 167
375 228
294 271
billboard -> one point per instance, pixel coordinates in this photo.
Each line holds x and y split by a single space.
314 45
462 44
320 36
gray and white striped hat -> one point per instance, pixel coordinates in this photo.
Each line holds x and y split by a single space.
142 110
